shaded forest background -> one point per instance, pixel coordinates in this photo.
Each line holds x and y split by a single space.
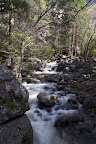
46 29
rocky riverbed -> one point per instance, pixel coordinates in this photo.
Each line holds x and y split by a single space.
62 98
66 102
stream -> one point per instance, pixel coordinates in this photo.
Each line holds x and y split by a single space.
42 120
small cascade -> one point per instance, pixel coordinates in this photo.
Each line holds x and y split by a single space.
49 66
42 120
48 69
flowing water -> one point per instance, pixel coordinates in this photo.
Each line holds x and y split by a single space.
42 120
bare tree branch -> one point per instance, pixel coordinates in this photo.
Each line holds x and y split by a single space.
45 12
77 12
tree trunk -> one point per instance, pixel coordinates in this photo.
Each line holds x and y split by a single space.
11 27
11 19
75 43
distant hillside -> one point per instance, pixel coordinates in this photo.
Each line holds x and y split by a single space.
92 14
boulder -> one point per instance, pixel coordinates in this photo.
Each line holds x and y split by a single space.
46 100
87 126
18 131
13 96
89 103
25 73
60 67
67 120
27 80
79 63
72 104
51 78
60 87
61 82
15 127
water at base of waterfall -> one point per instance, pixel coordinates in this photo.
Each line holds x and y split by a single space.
44 131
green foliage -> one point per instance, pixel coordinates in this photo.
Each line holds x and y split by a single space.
30 67
21 41
46 52
54 28
44 21
4 38
41 3
62 3
19 6
92 51
35 18
17 62
89 70
2 59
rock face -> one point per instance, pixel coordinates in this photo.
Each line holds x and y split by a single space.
66 120
46 99
51 78
90 103
15 126
17 131
13 96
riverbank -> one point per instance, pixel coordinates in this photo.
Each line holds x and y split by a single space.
66 106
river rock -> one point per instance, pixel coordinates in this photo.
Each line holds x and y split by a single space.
27 80
17 131
79 63
51 78
46 100
13 96
25 73
87 126
67 120
89 103
61 66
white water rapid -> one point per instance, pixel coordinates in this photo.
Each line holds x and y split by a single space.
42 120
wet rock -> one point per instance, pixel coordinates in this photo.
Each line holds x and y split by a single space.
67 120
25 73
27 80
87 126
61 82
89 103
72 104
61 66
75 84
79 63
46 99
60 87
13 96
93 76
18 131
88 69
51 78
72 68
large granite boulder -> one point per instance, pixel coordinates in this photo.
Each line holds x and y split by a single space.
15 127
51 78
17 131
13 96
89 103
66 120
46 100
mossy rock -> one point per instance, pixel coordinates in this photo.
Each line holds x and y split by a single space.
18 96
30 67
89 70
